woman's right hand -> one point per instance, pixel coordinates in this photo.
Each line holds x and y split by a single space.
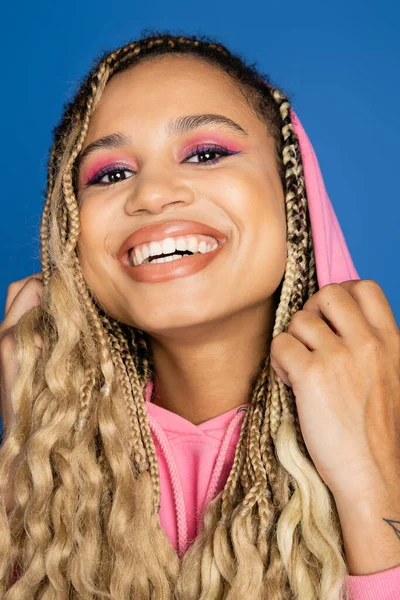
22 295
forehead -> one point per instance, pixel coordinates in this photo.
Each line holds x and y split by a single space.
174 75
163 87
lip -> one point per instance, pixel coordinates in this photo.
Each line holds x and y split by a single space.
182 267
159 231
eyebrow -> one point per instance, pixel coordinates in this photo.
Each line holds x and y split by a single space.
180 125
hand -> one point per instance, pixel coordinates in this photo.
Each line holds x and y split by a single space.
22 296
341 357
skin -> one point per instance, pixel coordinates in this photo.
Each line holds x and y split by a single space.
207 331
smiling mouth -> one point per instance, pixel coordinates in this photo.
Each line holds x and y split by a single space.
167 267
163 258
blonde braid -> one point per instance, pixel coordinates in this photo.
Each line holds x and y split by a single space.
67 179
145 432
259 471
105 356
44 226
70 215
138 346
85 394
54 191
119 353
282 400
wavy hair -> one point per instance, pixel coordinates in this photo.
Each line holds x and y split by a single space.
85 521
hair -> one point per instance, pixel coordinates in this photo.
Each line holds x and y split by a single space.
85 523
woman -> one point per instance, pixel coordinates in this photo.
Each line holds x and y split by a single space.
202 428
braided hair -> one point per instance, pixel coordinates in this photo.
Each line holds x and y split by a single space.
86 519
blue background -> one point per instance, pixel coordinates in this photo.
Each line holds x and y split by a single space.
339 61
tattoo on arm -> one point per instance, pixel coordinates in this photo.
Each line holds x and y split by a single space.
392 522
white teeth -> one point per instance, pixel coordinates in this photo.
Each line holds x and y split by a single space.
155 248
145 251
168 246
202 247
181 243
138 256
192 244
166 259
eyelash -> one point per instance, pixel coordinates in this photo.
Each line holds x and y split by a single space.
199 150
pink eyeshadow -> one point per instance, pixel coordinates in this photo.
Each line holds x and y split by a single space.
106 160
216 137
101 163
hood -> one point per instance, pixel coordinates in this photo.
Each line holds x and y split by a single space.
332 257
195 461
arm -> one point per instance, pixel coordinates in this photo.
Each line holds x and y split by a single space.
371 531
371 534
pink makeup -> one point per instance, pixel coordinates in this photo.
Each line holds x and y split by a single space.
216 138
120 159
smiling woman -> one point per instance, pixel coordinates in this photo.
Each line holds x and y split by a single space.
157 452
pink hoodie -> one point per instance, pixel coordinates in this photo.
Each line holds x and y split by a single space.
195 460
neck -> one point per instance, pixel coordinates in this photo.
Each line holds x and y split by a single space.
207 372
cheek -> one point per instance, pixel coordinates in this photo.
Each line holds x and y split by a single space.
91 239
95 257
263 231
259 207
95 268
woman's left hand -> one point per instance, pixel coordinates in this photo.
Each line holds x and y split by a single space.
341 357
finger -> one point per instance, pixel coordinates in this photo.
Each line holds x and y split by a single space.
335 304
27 297
15 287
373 302
290 356
312 330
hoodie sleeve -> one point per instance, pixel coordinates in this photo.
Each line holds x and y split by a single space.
384 585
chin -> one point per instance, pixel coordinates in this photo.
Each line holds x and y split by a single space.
161 322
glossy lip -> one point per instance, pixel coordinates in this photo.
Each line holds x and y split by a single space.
159 231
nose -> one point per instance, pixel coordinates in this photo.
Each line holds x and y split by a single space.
155 190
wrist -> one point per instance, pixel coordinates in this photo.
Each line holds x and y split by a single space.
370 524
370 491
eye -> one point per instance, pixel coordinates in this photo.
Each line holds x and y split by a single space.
114 173
208 151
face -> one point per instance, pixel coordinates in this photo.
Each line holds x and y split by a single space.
214 174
